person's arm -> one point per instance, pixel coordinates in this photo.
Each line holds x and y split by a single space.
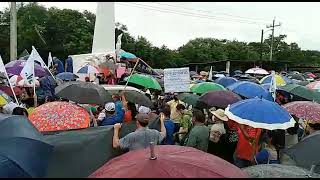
116 140
163 131
124 101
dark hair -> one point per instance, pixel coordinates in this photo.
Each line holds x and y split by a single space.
315 126
198 115
180 107
132 107
20 111
166 110
143 124
294 130
148 95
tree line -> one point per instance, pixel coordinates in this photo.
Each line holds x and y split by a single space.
66 32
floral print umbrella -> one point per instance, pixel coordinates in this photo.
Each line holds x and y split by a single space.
307 110
314 85
57 116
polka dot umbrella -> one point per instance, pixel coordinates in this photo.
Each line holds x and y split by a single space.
307 110
58 116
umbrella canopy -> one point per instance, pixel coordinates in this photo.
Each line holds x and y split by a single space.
301 91
306 152
204 87
311 75
15 67
225 81
188 98
4 98
145 81
67 76
304 109
8 90
57 116
297 77
220 99
127 55
83 92
257 71
277 171
88 69
250 90
260 113
23 147
192 163
280 80
237 72
314 85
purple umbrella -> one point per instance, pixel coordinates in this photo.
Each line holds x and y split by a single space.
220 99
15 67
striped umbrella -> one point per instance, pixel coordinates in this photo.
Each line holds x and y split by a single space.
88 69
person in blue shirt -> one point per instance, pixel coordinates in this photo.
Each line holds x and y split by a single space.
118 105
111 117
58 65
69 64
169 125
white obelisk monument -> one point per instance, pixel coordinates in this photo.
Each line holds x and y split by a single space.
104 30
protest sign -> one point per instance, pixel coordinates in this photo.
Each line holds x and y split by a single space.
176 80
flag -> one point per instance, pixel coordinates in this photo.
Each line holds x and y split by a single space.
2 67
4 71
118 47
273 85
210 74
37 57
50 62
27 73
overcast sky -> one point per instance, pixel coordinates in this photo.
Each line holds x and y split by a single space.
175 23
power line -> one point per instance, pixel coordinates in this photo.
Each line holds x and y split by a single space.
186 14
225 14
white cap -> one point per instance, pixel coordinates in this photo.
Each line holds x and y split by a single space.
110 106
144 110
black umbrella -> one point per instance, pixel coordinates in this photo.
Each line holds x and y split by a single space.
83 92
23 152
188 98
220 99
135 97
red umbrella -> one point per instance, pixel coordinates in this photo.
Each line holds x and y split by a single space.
56 116
171 162
304 109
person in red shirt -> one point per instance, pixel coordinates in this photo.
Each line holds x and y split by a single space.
247 145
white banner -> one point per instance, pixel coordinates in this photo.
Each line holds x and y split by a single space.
176 80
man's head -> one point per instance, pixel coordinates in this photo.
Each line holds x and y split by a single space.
142 120
175 97
20 111
110 108
180 108
216 131
198 116
115 97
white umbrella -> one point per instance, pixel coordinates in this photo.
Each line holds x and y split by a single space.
257 70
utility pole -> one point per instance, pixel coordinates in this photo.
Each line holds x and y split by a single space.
272 37
13 31
261 45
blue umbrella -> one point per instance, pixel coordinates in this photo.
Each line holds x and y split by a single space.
250 90
260 113
67 76
225 81
127 55
266 86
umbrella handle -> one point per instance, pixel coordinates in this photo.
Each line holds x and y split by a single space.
152 154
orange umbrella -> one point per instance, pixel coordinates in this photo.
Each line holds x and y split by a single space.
57 116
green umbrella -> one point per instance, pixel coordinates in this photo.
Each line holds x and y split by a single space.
145 81
301 91
205 87
188 98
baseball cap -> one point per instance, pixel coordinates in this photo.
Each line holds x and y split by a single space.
110 106
143 118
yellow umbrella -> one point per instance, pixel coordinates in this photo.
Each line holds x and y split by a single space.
280 81
3 101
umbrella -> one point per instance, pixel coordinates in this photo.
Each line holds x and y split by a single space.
304 109
67 76
306 152
277 171
250 90
256 71
57 116
83 92
193 73
127 55
22 149
17 80
314 85
137 97
15 67
225 81
219 99
8 90
4 98
204 87
88 69
280 80
260 113
311 75
145 81
171 162
237 72
301 91
302 83
188 98
266 86
297 77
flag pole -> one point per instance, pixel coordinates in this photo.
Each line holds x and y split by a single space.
131 74
6 74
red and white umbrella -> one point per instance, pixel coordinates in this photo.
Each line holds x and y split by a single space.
257 70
